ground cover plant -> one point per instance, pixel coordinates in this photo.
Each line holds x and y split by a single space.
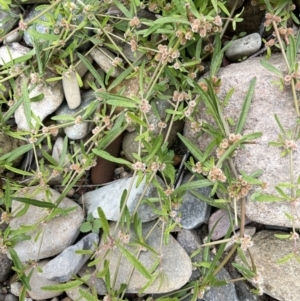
170 49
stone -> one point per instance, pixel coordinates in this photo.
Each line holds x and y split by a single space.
37 282
109 196
103 172
193 212
12 51
53 97
8 19
80 130
68 263
81 68
267 101
74 293
15 36
71 89
57 148
244 47
55 235
93 281
104 58
130 146
191 242
15 288
5 267
222 217
10 297
175 264
278 279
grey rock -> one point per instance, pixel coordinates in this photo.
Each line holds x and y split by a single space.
57 234
130 146
71 89
13 37
80 130
104 58
53 97
68 263
222 218
193 212
12 51
93 281
37 281
5 267
243 47
267 101
16 287
81 68
8 19
58 148
10 297
109 198
278 280
190 241
175 265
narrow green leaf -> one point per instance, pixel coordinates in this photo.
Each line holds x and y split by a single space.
271 68
37 98
195 151
16 153
49 158
291 53
155 147
62 287
193 185
269 198
172 19
34 202
104 222
105 155
18 171
283 236
91 69
246 107
135 262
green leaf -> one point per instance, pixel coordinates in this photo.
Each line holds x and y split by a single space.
105 155
86 227
87 296
271 68
155 147
172 19
62 287
104 222
136 263
269 198
34 202
193 185
195 151
18 171
283 236
91 69
37 98
291 53
246 107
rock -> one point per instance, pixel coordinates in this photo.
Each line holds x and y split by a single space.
260 155
12 51
81 129
175 265
71 89
37 282
15 36
16 287
190 241
68 263
109 198
53 97
104 58
278 280
8 19
244 47
222 217
81 68
10 297
57 148
193 212
130 146
5 267
103 172
57 233
93 281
